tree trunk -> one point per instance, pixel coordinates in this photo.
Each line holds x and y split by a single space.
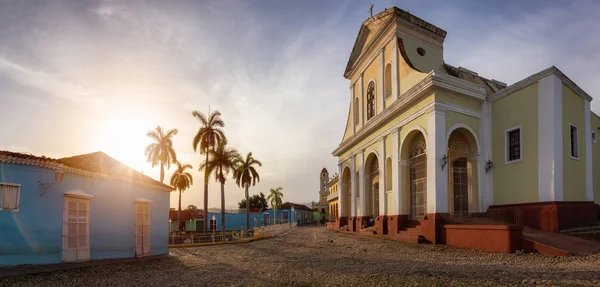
223 206
247 210
162 172
179 213
206 220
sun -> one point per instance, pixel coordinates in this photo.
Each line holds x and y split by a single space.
124 138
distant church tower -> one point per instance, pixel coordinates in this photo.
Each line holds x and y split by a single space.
323 184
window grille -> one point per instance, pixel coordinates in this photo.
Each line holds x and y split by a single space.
514 144
10 196
370 100
574 142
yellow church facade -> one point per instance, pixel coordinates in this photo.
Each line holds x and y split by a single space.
425 140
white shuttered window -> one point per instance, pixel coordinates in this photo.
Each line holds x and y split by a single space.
10 195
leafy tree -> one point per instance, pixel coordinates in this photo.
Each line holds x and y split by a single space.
222 160
208 137
275 197
181 180
161 150
245 175
256 201
193 208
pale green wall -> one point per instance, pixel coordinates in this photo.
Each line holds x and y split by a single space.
573 169
516 182
596 158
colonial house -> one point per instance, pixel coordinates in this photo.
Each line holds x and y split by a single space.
333 197
426 141
79 208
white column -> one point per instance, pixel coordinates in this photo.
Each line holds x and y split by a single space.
486 188
550 145
352 109
353 187
395 78
437 178
382 178
341 198
360 101
380 84
362 183
589 182
396 177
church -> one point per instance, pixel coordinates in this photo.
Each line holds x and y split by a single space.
427 143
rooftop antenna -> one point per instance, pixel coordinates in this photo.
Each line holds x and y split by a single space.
371 10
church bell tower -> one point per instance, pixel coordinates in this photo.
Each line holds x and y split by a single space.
323 189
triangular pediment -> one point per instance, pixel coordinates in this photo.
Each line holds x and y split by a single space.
368 29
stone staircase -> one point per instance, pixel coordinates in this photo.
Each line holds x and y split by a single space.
411 233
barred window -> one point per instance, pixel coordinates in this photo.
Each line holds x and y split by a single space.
10 194
370 100
513 144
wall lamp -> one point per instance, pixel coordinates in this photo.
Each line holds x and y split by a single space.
444 161
488 166
59 175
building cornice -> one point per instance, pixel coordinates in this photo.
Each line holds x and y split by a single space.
417 92
333 196
367 51
535 78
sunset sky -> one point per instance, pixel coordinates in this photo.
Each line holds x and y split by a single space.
83 76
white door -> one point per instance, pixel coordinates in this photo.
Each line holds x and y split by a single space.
76 229
142 229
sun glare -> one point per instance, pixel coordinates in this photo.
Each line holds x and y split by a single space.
124 138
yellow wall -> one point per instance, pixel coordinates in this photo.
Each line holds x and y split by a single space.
372 72
453 98
596 158
348 131
516 182
432 59
573 169
391 123
453 118
387 57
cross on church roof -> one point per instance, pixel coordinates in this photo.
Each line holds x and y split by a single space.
371 9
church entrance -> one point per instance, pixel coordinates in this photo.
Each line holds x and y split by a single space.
460 186
463 197
372 186
418 180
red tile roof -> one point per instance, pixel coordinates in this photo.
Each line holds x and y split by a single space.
96 164
186 214
296 206
324 170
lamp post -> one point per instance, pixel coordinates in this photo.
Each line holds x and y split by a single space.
213 233
293 210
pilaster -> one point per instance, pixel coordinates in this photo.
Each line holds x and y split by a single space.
589 181
396 176
353 187
362 182
395 79
360 101
486 187
382 179
437 176
550 145
380 83
352 122
341 193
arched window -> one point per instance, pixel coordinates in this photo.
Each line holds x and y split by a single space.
370 100
356 115
388 174
388 80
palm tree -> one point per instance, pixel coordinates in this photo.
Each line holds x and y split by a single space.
275 197
245 174
161 150
209 135
222 160
181 180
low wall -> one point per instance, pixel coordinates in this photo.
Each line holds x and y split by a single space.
551 216
490 238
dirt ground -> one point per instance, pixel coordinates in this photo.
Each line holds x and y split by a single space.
317 257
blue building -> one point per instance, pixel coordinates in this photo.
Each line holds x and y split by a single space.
289 212
79 208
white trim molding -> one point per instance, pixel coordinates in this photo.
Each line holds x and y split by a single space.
507 145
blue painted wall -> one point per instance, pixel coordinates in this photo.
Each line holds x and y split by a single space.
33 235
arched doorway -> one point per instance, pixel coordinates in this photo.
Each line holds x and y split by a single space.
346 193
462 186
372 186
414 170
